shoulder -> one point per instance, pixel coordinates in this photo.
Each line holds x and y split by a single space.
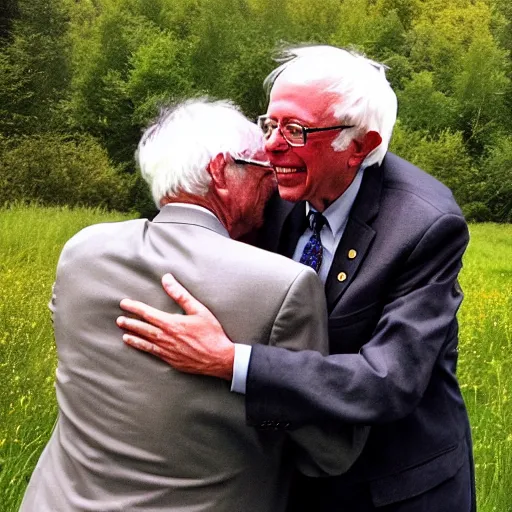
267 265
415 206
100 238
412 202
405 183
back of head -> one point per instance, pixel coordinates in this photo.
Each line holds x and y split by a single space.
175 150
366 98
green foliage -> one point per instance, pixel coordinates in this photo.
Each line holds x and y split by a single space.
476 211
159 74
34 68
422 107
496 180
104 67
312 21
99 101
55 170
480 89
8 12
444 156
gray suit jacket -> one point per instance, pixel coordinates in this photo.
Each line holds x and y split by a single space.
133 434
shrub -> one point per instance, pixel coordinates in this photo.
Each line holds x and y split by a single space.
444 157
476 212
53 169
496 175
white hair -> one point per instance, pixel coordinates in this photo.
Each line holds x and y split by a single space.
366 98
174 152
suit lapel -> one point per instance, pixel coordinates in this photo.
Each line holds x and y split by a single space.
357 238
277 212
292 229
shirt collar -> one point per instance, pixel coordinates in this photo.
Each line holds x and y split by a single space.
337 213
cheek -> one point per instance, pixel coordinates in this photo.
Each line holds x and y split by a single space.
313 155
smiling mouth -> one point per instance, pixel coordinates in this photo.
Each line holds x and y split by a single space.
286 170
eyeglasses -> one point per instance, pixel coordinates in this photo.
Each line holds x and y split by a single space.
248 161
294 133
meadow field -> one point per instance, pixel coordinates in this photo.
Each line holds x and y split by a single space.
30 242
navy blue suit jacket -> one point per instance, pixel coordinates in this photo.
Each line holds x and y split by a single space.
392 333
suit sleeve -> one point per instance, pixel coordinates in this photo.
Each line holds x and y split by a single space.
388 377
301 323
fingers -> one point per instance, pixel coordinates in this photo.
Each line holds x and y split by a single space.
145 346
182 297
152 315
142 329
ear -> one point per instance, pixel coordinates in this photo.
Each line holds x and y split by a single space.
216 169
363 146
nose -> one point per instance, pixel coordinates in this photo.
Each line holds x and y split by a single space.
276 142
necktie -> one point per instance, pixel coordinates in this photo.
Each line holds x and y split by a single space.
312 255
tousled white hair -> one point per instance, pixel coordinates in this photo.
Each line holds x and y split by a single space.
174 152
366 98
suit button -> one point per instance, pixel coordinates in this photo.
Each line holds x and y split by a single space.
352 254
342 277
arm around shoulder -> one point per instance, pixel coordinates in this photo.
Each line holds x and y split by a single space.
387 378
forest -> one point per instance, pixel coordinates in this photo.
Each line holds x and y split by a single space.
80 79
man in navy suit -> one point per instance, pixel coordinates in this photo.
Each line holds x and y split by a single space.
389 247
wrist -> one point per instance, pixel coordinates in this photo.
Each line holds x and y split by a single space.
226 362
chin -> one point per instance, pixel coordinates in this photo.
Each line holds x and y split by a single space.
292 195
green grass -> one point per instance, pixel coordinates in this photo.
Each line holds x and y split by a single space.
30 243
485 363
31 239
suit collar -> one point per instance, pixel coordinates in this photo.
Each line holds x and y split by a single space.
367 203
187 214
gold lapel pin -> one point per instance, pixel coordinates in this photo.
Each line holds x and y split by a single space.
342 276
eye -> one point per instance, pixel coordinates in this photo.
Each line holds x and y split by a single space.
294 131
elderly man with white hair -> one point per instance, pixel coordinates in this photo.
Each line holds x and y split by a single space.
133 434
387 240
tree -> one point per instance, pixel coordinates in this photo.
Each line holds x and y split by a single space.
496 179
480 89
8 13
444 156
422 107
35 68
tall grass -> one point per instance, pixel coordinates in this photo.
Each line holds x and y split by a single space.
31 239
485 362
30 242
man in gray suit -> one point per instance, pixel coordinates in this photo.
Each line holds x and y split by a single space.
133 434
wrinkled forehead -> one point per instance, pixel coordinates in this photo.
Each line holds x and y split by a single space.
310 101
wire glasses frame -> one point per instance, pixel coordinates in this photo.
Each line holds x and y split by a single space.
249 161
294 133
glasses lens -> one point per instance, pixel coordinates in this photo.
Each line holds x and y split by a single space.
294 133
267 126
